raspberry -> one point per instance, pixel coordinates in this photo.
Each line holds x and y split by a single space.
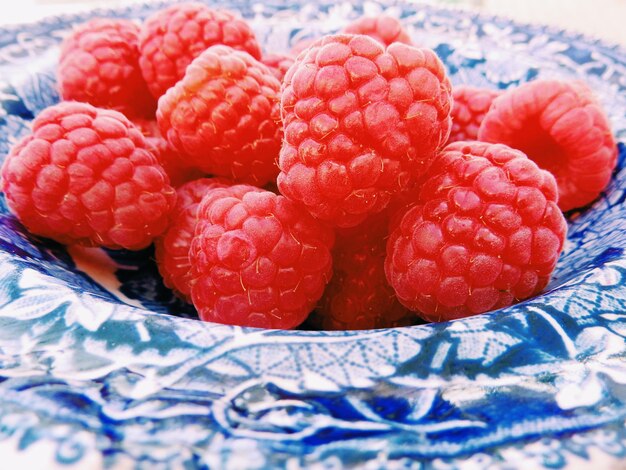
99 65
563 129
85 176
358 296
278 64
171 38
224 116
170 160
173 163
469 109
257 260
401 202
301 45
385 29
172 248
360 123
485 231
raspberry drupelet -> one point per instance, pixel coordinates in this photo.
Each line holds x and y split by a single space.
485 232
99 64
384 28
171 38
361 122
172 248
223 116
470 104
85 176
562 128
257 260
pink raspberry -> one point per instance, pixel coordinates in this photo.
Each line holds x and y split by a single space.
361 122
258 260
85 176
469 109
486 231
223 115
358 296
301 45
172 161
278 64
99 65
171 38
562 128
172 248
385 29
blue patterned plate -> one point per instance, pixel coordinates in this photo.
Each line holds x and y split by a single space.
102 366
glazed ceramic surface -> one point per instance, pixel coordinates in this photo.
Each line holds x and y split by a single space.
101 365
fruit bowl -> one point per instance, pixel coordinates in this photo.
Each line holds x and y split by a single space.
102 365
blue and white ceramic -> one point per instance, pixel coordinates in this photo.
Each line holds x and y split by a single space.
105 368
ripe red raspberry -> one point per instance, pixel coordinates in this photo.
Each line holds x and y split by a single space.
385 29
258 260
278 64
172 161
561 127
402 202
99 65
361 122
470 104
224 116
172 248
171 38
358 296
486 231
84 176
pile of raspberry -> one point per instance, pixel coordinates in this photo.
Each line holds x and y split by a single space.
348 183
